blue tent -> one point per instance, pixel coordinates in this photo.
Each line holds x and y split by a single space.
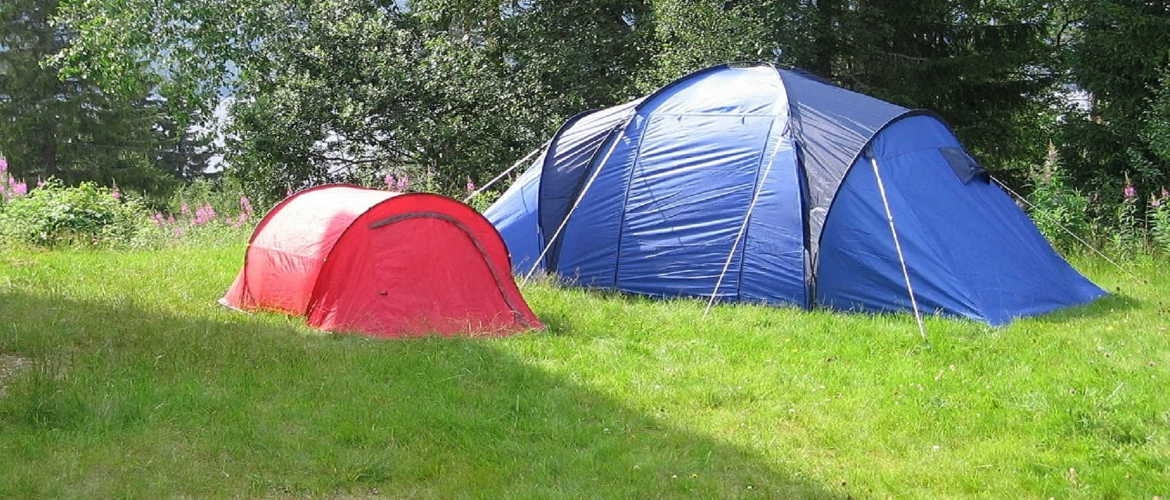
651 196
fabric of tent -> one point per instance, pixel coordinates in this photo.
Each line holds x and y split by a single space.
386 264
783 166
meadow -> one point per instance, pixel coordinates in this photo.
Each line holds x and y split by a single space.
121 377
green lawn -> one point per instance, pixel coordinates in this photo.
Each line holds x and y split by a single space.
137 384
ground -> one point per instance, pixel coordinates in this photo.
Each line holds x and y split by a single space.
135 383
9 366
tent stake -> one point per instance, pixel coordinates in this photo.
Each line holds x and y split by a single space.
502 174
742 229
898 246
1067 230
580 197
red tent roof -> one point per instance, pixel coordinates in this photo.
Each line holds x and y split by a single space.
382 263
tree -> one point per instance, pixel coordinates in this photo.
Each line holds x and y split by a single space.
982 65
347 89
67 127
694 34
1118 55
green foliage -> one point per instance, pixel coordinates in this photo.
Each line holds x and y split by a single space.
445 91
483 200
691 35
1057 206
338 90
1116 51
66 126
227 196
1159 214
976 63
1126 233
55 215
1156 126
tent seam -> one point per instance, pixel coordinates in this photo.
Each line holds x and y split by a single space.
617 265
836 191
556 256
546 162
757 187
244 289
483 253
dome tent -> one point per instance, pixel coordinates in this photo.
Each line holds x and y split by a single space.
756 184
382 263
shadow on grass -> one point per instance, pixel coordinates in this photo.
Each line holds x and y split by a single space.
1113 303
125 401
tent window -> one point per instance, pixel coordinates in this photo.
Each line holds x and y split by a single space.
965 167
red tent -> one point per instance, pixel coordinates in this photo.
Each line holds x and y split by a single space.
387 264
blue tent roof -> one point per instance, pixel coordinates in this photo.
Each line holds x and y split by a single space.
651 196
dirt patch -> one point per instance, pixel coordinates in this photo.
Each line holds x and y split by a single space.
9 366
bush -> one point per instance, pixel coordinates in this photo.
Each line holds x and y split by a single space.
204 212
1057 205
54 215
1160 220
224 195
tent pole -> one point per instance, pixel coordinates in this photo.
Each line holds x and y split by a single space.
580 197
501 176
739 236
1067 230
898 246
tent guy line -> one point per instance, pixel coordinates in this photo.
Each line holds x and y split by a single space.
504 173
646 197
584 190
1067 230
747 217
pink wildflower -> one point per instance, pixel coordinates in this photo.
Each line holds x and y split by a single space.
184 209
1155 201
470 185
389 180
116 194
3 164
237 221
403 183
1130 192
40 183
158 219
171 219
204 214
246 205
180 230
20 189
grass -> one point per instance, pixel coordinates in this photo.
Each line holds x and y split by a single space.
138 385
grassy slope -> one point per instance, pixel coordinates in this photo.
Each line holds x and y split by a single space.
142 386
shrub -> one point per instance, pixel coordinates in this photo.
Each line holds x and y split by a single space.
1159 213
1127 233
1057 205
204 212
54 215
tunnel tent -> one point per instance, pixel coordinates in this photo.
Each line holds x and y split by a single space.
757 184
386 264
